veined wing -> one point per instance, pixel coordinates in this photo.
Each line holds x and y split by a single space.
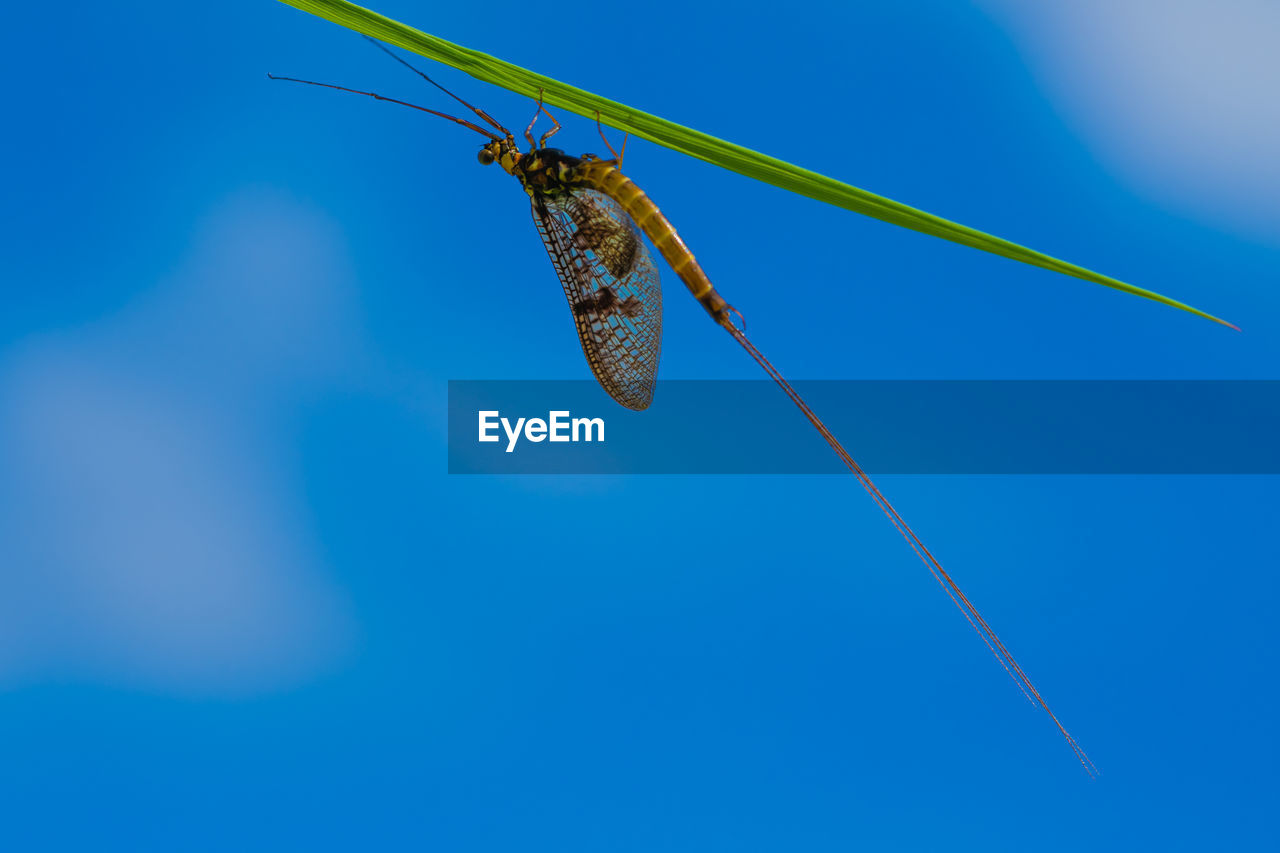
612 286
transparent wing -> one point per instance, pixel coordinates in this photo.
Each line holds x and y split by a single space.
612 286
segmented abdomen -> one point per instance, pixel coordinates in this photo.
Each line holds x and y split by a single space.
604 176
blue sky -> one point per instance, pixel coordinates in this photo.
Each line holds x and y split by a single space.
242 602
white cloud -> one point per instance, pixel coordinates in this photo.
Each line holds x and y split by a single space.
1177 97
151 537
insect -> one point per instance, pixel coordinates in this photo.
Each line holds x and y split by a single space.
591 219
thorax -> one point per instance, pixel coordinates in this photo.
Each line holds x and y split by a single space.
550 171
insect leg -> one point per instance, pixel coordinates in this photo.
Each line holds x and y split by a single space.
528 131
481 113
542 143
616 155
378 97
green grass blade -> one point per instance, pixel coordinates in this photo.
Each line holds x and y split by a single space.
753 164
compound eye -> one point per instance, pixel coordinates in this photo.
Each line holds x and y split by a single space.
485 156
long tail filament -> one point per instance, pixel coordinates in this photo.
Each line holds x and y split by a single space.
953 591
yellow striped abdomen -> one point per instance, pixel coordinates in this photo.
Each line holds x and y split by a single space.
603 175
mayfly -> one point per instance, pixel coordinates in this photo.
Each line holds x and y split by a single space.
591 218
